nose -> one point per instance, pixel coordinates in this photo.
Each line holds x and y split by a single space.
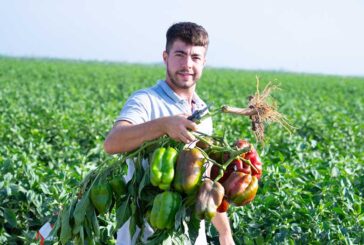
187 61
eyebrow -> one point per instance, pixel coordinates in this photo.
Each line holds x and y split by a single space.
180 52
185 53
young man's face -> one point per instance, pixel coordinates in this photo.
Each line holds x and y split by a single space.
184 64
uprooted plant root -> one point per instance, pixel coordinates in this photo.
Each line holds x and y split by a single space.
260 111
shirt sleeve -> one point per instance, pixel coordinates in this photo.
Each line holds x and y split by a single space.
136 109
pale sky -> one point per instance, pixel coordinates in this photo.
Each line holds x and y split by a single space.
312 36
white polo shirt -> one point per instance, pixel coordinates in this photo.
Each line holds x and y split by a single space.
149 104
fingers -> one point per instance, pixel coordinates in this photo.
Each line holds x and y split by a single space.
186 137
179 127
183 136
188 123
191 125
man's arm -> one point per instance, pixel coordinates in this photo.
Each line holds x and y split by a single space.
222 225
126 136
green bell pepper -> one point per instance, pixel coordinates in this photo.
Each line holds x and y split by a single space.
162 167
165 207
101 197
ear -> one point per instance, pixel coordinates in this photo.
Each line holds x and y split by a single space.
165 57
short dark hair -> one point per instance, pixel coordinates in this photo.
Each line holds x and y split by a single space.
187 32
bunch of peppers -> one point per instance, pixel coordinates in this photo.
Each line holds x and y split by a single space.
241 175
180 180
233 180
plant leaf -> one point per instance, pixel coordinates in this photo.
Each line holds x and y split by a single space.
193 228
10 217
123 213
145 181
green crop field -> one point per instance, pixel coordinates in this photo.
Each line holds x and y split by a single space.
54 116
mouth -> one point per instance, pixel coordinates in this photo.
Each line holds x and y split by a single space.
184 73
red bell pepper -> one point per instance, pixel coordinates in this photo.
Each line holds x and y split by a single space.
240 188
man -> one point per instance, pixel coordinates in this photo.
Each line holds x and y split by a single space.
164 108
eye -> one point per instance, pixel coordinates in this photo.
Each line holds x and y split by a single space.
179 54
196 58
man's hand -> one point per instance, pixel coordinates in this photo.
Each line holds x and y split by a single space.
177 127
125 136
226 239
222 225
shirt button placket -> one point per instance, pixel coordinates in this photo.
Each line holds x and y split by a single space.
184 106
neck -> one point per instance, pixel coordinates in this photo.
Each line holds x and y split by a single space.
185 93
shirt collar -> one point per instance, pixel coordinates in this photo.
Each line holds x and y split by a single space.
198 104
170 93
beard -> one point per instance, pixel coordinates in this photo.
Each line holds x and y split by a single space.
173 77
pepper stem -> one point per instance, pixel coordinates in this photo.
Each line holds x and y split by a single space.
235 153
249 163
